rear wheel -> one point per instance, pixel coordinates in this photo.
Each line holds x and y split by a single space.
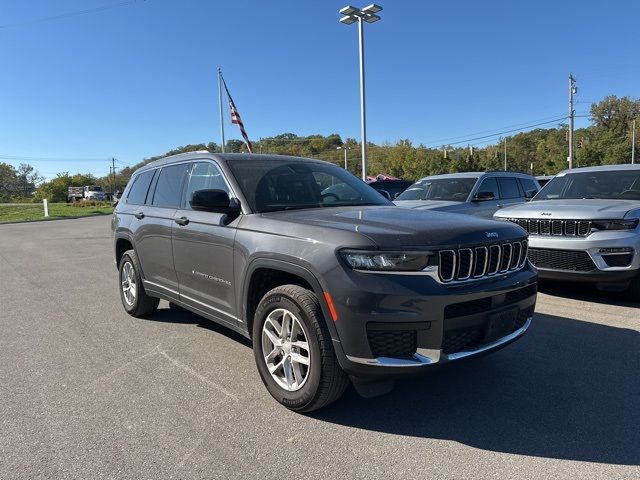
134 298
293 350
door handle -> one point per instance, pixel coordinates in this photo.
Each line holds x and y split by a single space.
139 215
500 205
182 221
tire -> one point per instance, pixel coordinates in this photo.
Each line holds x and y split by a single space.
137 303
633 290
316 385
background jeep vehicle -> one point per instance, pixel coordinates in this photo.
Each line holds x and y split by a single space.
584 226
477 193
328 289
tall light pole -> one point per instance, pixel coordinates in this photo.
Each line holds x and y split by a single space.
351 15
345 148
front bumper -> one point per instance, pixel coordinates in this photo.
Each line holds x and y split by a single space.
448 322
600 272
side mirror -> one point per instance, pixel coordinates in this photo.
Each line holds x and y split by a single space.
483 196
216 201
385 194
529 194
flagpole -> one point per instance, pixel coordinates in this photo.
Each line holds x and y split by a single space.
220 104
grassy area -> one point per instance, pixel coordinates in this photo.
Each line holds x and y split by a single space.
21 212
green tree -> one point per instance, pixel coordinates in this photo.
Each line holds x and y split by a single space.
8 182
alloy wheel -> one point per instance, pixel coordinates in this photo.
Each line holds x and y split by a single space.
128 280
286 349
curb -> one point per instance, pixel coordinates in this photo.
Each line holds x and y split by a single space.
53 219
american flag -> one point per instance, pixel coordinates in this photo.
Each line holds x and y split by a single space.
235 118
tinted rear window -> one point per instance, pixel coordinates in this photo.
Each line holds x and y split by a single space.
138 192
169 184
509 187
490 185
528 184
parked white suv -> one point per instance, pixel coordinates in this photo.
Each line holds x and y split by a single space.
584 226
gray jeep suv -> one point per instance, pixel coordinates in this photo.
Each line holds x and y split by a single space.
584 226
472 193
330 290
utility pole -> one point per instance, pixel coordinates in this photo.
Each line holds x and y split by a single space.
505 154
633 142
572 91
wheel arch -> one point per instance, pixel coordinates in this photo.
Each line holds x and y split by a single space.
284 273
122 244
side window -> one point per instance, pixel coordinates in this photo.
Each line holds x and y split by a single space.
168 186
528 184
490 185
203 176
138 192
509 187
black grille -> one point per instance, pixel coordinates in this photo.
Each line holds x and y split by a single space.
572 260
473 337
464 263
570 228
485 304
392 343
467 308
464 339
514 296
618 260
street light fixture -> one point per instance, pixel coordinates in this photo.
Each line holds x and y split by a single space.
345 148
351 15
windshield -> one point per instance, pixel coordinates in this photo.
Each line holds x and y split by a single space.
618 185
273 185
95 189
449 189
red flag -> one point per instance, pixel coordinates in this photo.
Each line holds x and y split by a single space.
235 118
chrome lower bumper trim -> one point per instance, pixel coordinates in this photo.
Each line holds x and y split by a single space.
425 356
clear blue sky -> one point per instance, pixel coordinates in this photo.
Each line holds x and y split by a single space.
139 79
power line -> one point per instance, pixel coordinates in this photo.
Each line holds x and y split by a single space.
70 14
498 134
551 118
51 159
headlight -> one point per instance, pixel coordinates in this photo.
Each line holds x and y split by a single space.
615 224
385 261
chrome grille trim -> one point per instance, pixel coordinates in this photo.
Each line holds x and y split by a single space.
465 255
504 265
515 256
483 269
447 278
495 252
565 228
468 263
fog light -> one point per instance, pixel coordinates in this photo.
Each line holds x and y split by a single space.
616 250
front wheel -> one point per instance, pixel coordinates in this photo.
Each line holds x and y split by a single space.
293 350
134 298
633 290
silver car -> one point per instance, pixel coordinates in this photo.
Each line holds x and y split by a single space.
473 193
583 226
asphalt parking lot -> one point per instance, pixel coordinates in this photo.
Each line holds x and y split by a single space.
88 392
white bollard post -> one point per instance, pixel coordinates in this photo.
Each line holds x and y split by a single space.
46 207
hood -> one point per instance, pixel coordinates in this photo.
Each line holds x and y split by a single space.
391 227
571 209
428 204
